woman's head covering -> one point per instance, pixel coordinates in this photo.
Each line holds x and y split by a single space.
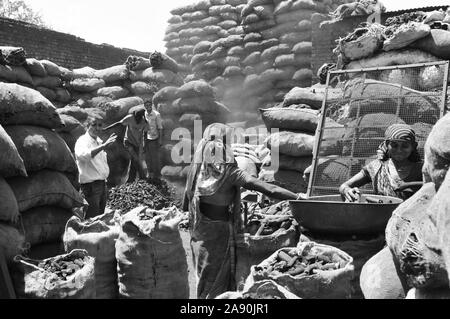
398 132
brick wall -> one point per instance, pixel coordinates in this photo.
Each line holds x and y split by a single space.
61 48
324 35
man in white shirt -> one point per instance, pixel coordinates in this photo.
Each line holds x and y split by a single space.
93 166
153 141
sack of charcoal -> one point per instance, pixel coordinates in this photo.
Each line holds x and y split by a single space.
98 237
264 289
68 276
151 260
310 271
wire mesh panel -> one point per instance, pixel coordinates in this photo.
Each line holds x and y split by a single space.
357 111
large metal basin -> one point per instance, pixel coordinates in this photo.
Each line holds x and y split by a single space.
329 214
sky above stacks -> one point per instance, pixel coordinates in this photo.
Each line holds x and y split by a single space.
136 24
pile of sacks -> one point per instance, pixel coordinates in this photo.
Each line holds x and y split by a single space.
292 125
135 255
187 110
409 38
255 57
39 176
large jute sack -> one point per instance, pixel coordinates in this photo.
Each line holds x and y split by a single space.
361 43
151 261
113 74
295 37
35 67
9 210
252 249
11 164
41 148
12 242
32 280
62 95
81 114
46 92
304 75
44 224
159 60
292 144
172 171
272 52
331 171
50 82
402 217
436 43
304 47
156 75
406 34
98 237
379 278
290 119
21 105
322 284
407 56
285 162
36 191
119 108
425 106
87 84
15 74
143 88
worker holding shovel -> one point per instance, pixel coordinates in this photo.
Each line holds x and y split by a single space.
136 128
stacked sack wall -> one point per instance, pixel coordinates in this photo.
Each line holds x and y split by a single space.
252 52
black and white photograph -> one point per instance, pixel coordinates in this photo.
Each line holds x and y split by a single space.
241 151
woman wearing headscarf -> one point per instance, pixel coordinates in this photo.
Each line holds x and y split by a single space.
398 162
212 197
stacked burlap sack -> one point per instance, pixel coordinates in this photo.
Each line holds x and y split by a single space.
151 260
40 176
42 75
65 276
416 256
203 21
409 38
97 236
309 271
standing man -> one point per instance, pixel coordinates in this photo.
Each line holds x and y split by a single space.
93 166
153 141
136 128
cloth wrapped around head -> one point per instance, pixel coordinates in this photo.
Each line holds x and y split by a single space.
212 161
398 132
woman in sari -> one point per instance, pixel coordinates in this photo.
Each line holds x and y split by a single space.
398 162
212 197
